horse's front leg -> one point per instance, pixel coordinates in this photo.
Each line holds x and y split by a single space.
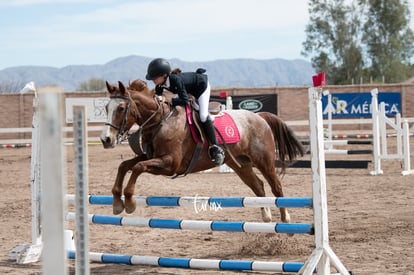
124 167
157 166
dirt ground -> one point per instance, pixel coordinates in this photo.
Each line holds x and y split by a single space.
371 218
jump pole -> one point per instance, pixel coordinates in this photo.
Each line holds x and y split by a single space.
31 253
53 183
204 202
379 129
406 144
330 110
322 256
81 186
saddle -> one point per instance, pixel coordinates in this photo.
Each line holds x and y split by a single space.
193 119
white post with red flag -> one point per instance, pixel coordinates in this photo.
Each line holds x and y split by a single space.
322 256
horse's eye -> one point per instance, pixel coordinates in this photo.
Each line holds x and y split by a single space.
121 109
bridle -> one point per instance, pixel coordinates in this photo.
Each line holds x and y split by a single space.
122 134
121 128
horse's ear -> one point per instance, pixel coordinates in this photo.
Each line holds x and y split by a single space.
122 88
111 89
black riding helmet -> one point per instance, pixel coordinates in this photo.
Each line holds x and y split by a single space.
157 68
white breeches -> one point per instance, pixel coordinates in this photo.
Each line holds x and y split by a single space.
203 101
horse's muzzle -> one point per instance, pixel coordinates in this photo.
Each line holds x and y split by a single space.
108 137
107 142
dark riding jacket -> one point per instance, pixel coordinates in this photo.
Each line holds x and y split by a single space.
194 83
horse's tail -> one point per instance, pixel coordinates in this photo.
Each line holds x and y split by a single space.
288 146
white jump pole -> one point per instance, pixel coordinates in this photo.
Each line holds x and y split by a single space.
53 184
35 178
31 253
379 128
376 134
330 111
81 185
406 144
322 256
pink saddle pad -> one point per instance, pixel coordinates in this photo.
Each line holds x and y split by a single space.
224 124
227 128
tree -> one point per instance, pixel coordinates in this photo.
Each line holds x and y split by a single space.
364 39
389 39
332 40
92 84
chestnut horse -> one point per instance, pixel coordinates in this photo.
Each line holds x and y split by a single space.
170 145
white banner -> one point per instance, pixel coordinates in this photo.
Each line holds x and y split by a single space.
95 108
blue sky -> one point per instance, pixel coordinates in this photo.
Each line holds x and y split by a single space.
75 32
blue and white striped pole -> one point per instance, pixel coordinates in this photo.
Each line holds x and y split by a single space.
230 226
185 201
191 263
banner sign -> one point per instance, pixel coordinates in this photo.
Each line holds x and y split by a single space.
254 103
358 105
95 108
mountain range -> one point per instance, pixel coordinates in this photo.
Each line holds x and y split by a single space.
222 73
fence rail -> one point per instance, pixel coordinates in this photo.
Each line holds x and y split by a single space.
92 138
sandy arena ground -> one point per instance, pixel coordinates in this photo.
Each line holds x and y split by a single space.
371 218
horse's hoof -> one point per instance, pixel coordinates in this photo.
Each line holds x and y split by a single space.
130 210
287 218
267 219
130 207
117 209
266 215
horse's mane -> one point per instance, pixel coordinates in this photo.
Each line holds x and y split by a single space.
176 71
138 85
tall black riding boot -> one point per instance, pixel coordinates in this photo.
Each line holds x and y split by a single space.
215 151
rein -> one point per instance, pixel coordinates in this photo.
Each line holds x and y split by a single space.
159 110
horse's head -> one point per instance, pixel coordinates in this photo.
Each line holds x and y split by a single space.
120 115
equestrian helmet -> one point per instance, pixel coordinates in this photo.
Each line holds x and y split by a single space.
157 68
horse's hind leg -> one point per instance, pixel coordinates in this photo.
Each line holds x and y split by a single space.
269 173
124 167
248 176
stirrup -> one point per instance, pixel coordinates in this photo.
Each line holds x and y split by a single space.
216 154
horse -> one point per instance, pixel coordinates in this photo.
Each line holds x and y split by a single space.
166 135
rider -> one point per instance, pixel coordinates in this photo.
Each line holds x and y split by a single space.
182 84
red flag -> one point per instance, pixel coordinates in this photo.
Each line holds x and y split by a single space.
319 79
223 94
